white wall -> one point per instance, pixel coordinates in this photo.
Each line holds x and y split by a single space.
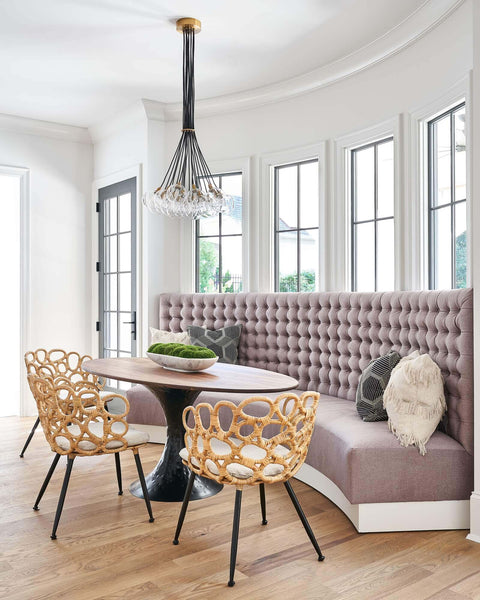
60 230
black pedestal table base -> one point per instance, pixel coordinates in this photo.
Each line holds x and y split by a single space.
168 480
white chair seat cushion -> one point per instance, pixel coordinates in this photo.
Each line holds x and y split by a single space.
134 437
116 406
236 469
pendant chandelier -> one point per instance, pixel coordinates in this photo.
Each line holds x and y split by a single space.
188 188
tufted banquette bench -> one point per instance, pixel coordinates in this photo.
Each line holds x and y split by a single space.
325 340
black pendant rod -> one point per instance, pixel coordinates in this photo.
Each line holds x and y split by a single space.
188 78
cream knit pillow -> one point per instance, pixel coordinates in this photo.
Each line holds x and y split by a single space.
160 336
414 400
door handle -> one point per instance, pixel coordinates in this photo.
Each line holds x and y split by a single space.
134 325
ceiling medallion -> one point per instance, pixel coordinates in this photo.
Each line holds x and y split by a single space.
188 188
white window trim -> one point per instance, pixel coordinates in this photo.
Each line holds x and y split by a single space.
26 404
141 250
187 227
419 119
265 211
341 209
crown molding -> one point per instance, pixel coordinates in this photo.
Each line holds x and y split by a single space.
413 28
58 131
135 114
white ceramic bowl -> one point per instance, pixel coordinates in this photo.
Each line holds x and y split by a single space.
186 365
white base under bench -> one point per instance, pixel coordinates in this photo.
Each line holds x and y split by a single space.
373 517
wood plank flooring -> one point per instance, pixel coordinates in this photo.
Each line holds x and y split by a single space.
107 550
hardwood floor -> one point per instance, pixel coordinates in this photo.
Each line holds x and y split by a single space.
107 550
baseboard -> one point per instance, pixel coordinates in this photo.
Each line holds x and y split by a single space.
157 433
391 516
474 534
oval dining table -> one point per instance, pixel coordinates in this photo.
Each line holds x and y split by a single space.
175 391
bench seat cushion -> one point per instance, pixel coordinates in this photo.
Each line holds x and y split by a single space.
363 459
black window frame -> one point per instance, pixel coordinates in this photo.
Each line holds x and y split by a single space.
431 167
220 237
298 230
376 219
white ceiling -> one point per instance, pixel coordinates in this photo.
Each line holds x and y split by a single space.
80 61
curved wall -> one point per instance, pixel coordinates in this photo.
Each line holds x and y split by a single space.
412 78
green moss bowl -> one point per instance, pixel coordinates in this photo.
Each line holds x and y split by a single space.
185 365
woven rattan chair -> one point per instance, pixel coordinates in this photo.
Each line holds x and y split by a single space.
76 422
58 363
240 455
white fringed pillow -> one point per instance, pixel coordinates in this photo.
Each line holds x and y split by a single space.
414 400
159 336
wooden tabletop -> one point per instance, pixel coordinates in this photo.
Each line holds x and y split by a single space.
219 378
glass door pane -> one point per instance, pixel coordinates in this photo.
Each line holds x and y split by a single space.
117 273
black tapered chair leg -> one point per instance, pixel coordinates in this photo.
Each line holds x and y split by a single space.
29 438
47 480
183 511
263 503
63 493
141 477
119 473
235 530
303 519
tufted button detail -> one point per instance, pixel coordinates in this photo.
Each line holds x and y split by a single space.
325 340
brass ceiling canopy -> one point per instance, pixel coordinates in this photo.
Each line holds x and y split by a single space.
189 23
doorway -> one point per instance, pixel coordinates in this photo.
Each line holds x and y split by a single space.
12 267
117 272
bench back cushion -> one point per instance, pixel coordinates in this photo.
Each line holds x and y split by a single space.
325 339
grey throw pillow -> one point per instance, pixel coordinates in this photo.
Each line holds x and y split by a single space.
372 384
224 342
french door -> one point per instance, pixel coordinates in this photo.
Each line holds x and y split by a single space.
116 267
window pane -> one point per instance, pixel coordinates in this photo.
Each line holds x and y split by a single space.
232 264
365 257
110 254
308 260
385 255
460 156
110 324
232 221
287 197
208 265
125 291
385 179
232 185
364 184
309 194
461 245
125 252
287 261
111 215
125 217
125 331
442 248
110 292
208 225
442 179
